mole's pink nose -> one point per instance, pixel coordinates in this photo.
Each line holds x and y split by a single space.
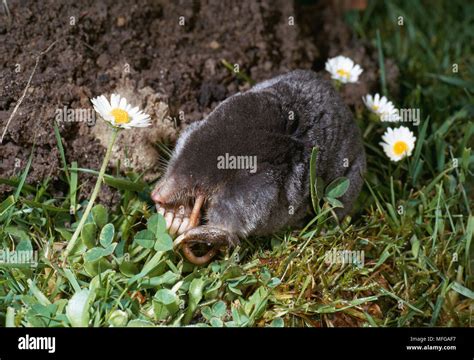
156 196
163 191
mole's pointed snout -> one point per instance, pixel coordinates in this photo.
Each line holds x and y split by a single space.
158 197
163 191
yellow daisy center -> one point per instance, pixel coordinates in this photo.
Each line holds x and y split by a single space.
400 148
343 73
120 116
375 107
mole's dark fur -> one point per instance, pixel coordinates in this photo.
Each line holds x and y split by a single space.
278 121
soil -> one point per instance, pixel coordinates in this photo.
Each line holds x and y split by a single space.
164 56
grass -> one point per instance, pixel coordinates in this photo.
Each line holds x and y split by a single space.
414 223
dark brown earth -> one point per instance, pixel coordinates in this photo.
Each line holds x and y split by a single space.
99 47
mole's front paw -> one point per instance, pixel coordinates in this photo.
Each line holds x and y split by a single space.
181 210
200 244
176 217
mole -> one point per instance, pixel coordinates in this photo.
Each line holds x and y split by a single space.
244 169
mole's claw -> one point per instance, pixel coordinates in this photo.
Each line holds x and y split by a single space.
160 210
213 237
169 219
184 226
175 225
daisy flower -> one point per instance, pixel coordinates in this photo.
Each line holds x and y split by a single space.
398 143
343 69
381 106
119 113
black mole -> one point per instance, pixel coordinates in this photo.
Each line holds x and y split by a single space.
239 171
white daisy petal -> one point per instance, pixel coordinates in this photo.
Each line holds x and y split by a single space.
114 100
104 104
123 104
101 105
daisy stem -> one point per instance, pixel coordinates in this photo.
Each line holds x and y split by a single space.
95 192
369 129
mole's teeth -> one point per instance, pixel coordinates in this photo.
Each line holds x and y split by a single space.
175 225
160 210
184 226
169 219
